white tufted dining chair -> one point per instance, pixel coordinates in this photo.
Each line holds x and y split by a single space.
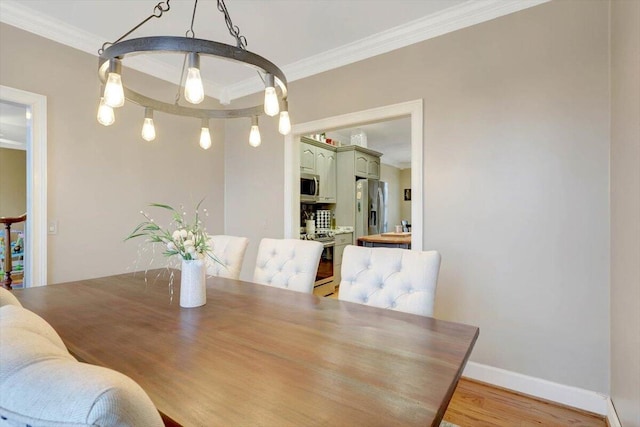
288 263
397 279
230 250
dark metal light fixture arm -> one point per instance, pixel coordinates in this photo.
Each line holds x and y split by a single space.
111 54
158 10
185 45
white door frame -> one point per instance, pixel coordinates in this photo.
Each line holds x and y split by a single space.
36 227
292 160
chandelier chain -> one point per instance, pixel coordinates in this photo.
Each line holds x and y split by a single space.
158 10
234 30
189 33
193 18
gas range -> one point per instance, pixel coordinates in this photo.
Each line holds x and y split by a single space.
321 235
324 274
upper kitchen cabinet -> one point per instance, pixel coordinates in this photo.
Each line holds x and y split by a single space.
326 166
364 162
307 158
367 165
319 160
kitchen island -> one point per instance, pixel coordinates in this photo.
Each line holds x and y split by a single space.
388 240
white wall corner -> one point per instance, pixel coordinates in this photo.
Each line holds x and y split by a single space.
612 415
574 397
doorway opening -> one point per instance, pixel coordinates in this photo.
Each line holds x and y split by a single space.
35 228
411 109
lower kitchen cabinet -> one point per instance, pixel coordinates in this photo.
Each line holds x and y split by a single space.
342 240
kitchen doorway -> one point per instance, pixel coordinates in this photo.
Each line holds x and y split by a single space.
35 247
413 109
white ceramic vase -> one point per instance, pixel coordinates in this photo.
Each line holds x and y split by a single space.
193 283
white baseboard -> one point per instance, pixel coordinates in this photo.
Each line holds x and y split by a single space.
575 397
612 415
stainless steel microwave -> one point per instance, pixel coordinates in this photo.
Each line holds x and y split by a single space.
309 187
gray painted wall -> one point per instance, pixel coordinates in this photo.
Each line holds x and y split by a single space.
516 152
625 211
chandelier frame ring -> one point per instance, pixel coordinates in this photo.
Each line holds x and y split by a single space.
155 44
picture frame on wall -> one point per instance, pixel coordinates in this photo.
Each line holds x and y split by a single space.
407 194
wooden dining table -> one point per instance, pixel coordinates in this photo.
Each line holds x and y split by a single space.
255 355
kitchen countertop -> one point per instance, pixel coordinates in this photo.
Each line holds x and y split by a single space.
337 230
400 239
342 230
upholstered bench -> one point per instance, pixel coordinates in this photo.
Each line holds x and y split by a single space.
41 384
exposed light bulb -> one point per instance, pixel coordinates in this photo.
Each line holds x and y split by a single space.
193 89
105 114
148 128
205 138
254 135
205 135
271 107
284 125
113 92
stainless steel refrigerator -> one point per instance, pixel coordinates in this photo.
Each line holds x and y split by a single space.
371 207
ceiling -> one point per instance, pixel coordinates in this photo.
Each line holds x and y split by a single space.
302 37
13 125
392 138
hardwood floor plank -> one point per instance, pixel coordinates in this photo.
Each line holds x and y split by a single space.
476 404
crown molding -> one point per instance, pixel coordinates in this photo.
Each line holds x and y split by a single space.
448 20
23 17
451 19
14 145
18 15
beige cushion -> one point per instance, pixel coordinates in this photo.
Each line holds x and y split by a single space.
41 384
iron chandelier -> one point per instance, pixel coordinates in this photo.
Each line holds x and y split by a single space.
115 93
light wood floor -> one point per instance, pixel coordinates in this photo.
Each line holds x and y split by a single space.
475 404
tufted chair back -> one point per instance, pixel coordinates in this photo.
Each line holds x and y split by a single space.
288 263
398 279
230 250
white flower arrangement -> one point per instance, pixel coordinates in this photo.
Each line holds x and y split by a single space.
190 241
